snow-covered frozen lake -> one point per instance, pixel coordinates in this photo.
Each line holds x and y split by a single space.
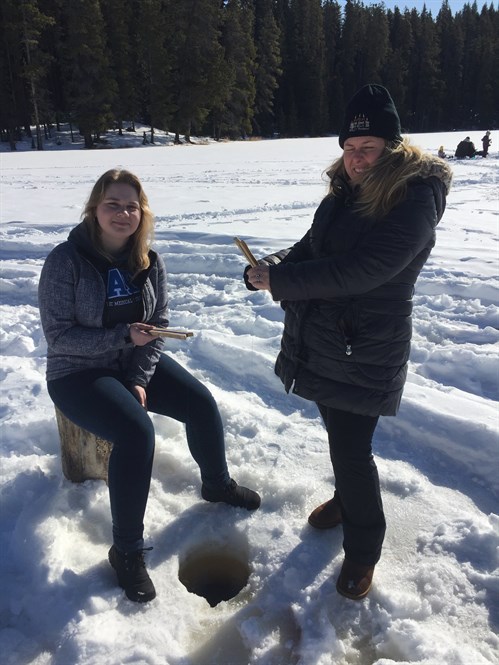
435 599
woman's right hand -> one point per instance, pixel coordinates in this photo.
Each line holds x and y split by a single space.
258 277
140 335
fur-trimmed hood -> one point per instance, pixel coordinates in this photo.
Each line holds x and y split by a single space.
434 167
386 181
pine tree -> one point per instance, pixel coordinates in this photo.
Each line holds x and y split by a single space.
308 67
33 22
375 46
26 65
395 71
91 87
52 43
333 80
469 24
119 31
153 80
487 80
284 105
353 37
451 68
240 57
425 88
268 65
14 109
197 58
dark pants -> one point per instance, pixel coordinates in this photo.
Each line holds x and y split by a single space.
357 483
97 400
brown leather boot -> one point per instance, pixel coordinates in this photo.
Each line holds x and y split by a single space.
355 580
326 516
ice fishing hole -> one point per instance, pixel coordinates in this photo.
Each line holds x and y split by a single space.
214 574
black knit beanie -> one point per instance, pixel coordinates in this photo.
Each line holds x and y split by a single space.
371 112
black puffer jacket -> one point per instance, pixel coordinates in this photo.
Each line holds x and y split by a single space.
347 288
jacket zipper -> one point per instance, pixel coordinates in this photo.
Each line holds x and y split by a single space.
348 333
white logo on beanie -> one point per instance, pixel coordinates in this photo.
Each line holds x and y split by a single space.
359 123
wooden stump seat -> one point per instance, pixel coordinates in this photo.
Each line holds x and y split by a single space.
84 456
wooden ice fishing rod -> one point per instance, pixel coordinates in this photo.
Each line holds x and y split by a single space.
174 334
246 251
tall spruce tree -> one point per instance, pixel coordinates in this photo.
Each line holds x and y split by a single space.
235 116
52 43
308 67
224 80
395 71
494 67
488 79
14 109
36 61
119 32
197 60
268 66
351 55
375 46
333 79
451 67
284 102
425 88
468 22
153 75
88 78
23 69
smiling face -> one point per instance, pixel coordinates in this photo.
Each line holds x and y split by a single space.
118 215
359 152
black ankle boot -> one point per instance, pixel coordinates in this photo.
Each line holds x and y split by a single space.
234 495
132 575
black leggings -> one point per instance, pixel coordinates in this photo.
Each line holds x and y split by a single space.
97 400
357 483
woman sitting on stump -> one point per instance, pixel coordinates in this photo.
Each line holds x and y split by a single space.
101 293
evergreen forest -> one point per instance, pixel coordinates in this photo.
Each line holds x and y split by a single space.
240 68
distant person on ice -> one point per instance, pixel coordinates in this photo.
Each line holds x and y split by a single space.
346 288
466 148
486 141
100 294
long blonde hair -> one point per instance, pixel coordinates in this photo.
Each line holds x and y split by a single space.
140 241
385 183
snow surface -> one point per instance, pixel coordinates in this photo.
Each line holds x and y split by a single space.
435 599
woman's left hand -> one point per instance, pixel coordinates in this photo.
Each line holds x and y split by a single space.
259 277
139 392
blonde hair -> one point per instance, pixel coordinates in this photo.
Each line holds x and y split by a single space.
140 241
385 184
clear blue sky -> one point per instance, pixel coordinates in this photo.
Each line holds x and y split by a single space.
431 5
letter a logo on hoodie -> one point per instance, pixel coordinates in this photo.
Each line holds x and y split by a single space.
118 285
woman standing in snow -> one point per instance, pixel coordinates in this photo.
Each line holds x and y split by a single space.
346 288
101 294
